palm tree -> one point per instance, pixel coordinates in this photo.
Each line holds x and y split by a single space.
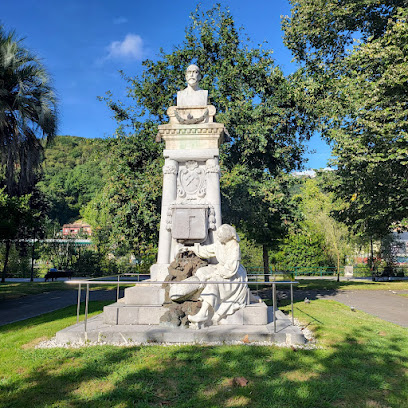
27 115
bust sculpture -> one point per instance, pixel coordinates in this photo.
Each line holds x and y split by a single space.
193 95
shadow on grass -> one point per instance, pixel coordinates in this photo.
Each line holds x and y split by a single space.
361 370
313 289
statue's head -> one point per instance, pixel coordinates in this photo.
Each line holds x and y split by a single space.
226 232
193 75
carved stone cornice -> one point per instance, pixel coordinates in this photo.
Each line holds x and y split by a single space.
187 137
215 129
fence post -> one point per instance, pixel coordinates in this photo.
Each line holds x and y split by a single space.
291 302
86 306
274 306
78 302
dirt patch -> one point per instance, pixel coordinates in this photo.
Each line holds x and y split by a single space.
34 343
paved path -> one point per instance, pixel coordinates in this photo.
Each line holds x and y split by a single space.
14 310
385 304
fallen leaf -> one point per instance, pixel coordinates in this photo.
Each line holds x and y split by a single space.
246 339
240 381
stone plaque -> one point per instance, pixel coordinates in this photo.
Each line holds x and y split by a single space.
190 225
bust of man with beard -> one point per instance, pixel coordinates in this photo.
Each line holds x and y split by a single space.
193 95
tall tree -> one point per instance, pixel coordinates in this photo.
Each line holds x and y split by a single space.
265 113
16 218
261 208
27 114
362 101
125 214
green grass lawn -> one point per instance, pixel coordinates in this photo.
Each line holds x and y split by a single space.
324 284
16 290
363 363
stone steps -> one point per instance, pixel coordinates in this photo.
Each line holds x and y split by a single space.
100 332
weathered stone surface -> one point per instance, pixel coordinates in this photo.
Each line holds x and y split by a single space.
183 267
176 315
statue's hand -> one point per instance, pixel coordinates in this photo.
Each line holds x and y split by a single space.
225 273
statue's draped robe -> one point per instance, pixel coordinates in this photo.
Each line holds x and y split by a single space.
225 298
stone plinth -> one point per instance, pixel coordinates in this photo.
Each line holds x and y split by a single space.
100 332
143 305
252 314
144 294
124 314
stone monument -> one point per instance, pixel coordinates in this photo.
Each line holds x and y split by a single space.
191 218
198 257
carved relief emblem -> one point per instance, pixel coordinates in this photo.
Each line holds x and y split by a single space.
191 181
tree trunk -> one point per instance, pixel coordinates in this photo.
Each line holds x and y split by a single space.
338 268
265 255
6 258
372 255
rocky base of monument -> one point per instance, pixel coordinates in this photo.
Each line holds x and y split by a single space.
183 267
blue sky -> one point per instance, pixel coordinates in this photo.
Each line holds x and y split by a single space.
83 44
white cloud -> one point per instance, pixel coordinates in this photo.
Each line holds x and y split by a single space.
131 47
120 20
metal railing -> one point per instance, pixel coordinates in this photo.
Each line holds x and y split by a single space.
294 271
88 282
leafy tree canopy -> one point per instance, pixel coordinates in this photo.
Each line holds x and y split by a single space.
362 97
267 115
322 33
73 174
264 112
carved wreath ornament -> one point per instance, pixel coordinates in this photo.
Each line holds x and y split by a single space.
190 120
191 181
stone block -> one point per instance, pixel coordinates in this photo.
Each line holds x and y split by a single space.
119 314
144 294
158 272
253 314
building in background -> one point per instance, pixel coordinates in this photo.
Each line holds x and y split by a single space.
78 228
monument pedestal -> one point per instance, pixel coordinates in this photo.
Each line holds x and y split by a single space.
143 304
190 213
99 332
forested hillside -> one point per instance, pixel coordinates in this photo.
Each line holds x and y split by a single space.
73 171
